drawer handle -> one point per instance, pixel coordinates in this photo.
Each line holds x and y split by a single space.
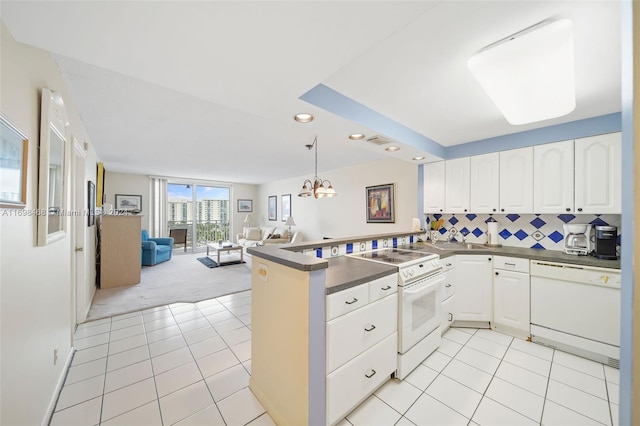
373 373
448 285
352 302
373 327
450 317
510 264
386 288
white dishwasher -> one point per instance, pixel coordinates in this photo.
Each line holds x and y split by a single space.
576 309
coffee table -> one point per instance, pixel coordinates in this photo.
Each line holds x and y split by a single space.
218 248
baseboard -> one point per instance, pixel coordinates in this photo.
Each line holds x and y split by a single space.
58 389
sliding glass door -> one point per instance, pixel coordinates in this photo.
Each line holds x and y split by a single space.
203 210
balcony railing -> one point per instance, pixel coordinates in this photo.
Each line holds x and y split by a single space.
206 231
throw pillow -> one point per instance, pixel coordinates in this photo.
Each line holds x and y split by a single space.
285 234
274 236
254 234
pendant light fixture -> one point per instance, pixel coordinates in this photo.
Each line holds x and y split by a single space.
317 188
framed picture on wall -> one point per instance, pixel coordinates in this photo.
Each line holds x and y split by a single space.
129 203
286 207
14 147
245 206
380 207
272 207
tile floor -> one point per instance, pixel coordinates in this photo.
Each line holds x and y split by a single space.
189 364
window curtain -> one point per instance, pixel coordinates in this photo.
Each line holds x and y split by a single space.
158 205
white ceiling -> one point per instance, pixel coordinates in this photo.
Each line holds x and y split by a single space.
207 89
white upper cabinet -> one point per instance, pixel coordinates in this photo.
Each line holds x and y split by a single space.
457 185
433 180
485 183
553 177
598 174
516 181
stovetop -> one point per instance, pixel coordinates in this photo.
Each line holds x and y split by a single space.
395 256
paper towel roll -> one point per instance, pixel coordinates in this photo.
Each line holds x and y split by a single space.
492 233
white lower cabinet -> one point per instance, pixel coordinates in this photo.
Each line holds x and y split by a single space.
473 288
448 293
361 344
511 296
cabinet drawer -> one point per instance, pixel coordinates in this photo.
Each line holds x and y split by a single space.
355 381
383 287
448 263
352 334
448 287
347 300
515 264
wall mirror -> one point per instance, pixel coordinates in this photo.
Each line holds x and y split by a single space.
52 179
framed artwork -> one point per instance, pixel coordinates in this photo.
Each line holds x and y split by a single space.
14 147
272 207
380 204
129 203
245 206
286 207
91 188
100 171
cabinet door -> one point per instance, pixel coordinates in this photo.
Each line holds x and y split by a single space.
511 301
433 181
553 172
473 288
484 194
516 181
448 313
456 193
598 175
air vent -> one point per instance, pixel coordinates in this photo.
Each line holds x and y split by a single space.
378 140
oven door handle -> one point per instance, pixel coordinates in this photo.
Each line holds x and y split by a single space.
422 288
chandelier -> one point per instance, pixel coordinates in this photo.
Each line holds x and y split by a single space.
318 188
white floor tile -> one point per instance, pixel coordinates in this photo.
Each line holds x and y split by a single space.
185 402
470 331
127 376
240 408
428 411
579 380
170 360
263 420
83 332
557 415
228 382
180 308
220 316
217 362
126 358
615 409
90 354
91 341
457 336
455 395
242 350
86 371
582 402
524 402
125 321
94 323
134 314
194 324
80 392
404 422
85 413
480 343
246 319
490 413
212 308
449 347
612 374
163 333
195 335
188 316
207 347
529 362
437 361
210 416
241 310
398 394
343 422
533 349
177 378
247 366
581 364
479 360
126 344
494 336
146 415
166 345
373 412
421 377
236 336
228 325
523 378
469 376
123 333
155 313
159 323
614 393
128 398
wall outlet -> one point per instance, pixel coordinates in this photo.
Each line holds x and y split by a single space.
55 356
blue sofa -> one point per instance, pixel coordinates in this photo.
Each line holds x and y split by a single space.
155 250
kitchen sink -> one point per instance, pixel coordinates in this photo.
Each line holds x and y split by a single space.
455 246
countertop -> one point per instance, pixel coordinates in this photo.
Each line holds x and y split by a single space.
345 272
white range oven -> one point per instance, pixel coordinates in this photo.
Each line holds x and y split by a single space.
420 281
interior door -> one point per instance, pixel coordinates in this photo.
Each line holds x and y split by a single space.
79 227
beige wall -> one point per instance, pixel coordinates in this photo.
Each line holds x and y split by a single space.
128 184
36 295
344 215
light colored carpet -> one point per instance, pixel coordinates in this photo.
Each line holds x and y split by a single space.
181 279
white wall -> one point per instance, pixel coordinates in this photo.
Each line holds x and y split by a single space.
345 214
36 312
128 184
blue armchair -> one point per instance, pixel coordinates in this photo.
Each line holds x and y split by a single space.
155 250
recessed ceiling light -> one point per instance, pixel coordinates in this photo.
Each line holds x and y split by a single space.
418 158
392 148
303 117
356 136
